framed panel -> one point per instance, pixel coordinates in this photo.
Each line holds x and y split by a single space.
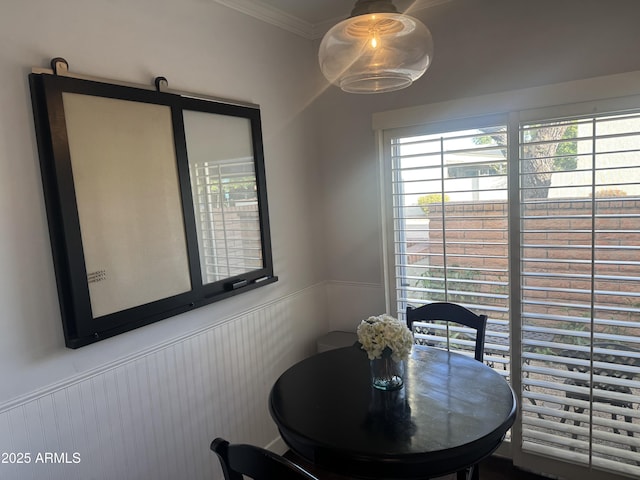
156 202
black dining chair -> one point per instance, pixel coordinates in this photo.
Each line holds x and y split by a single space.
449 313
452 313
255 462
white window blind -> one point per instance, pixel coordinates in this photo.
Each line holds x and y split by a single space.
449 204
580 289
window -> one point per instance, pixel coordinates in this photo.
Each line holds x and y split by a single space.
533 218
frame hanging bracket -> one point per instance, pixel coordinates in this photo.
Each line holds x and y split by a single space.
59 66
162 84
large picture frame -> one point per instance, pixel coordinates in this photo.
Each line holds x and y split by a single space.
156 202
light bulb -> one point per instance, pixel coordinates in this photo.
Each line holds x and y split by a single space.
374 41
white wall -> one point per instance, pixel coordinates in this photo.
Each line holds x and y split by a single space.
202 47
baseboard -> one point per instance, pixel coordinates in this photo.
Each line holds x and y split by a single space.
277 445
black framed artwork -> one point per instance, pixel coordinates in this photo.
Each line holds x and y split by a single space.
156 202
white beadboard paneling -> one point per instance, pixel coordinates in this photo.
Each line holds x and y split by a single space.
154 416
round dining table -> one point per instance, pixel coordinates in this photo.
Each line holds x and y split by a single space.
451 413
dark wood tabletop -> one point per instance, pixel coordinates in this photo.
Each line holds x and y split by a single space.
452 412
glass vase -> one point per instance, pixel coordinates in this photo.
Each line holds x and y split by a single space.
387 374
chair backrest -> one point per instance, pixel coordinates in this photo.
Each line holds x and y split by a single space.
255 462
451 312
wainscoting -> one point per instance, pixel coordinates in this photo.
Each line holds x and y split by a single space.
154 415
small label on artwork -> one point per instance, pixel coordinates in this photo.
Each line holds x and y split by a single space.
97 276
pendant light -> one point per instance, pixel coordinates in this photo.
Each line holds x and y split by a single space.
375 50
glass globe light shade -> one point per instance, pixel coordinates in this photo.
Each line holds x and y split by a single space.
376 52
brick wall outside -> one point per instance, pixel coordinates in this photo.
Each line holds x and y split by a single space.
480 227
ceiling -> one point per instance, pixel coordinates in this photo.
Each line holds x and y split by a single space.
310 18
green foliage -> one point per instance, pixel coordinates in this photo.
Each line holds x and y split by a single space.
575 339
610 193
568 150
227 193
425 200
458 280
565 158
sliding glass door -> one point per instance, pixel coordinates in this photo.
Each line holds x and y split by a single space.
580 289
533 218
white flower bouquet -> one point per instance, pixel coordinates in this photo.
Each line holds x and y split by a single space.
385 335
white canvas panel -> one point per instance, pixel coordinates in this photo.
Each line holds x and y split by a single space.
127 190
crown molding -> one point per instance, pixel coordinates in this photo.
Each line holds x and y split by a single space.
319 29
293 24
271 15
